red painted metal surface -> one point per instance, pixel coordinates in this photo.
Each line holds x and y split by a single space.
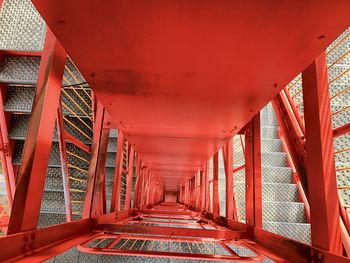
192 86
129 178
6 151
32 173
252 155
320 164
95 195
216 206
41 244
191 82
4 219
77 142
64 163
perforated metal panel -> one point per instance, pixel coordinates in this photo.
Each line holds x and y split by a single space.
19 99
21 26
110 161
69 256
19 70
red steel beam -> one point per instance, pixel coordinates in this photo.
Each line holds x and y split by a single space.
231 212
216 204
93 204
22 53
64 162
198 191
36 153
115 201
341 130
137 182
293 251
76 142
201 190
252 155
6 153
141 187
44 243
320 164
172 231
147 188
207 193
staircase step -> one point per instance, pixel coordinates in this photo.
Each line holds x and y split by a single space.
54 155
112 145
54 179
113 133
269 132
110 174
277 175
110 159
267 116
269 175
271 145
271 159
49 219
297 231
19 126
20 99
271 191
53 202
283 212
274 159
290 212
19 70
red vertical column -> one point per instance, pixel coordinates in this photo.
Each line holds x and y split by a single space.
198 191
186 194
147 188
320 165
206 186
36 153
94 197
129 178
115 201
137 182
216 205
6 153
201 191
142 186
230 206
252 155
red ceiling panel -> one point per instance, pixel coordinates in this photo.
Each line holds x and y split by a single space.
179 77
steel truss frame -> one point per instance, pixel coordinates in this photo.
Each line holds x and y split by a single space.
25 243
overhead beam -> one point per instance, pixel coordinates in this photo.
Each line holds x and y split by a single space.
94 203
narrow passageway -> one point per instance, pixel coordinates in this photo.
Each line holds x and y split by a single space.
174 131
